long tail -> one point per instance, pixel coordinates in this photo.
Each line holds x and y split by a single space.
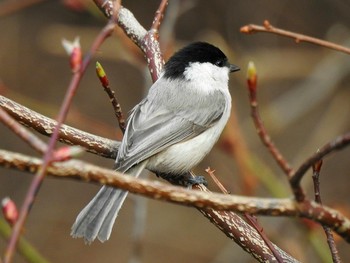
97 218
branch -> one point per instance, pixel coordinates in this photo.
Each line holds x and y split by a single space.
47 158
147 41
36 143
316 168
268 28
259 125
228 222
201 199
336 145
68 135
111 94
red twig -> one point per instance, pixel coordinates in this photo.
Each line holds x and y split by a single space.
268 28
158 18
216 180
147 41
263 134
47 159
253 221
150 43
259 125
106 6
330 239
111 94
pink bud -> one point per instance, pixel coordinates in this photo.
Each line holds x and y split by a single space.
66 153
73 49
9 210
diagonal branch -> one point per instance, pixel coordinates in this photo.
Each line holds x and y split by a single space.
47 158
335 145
26 136
68 135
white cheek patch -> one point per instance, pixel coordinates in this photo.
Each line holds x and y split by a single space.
206 76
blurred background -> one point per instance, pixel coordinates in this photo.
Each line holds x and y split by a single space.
304 100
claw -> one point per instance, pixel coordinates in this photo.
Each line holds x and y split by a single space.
197 179
186 180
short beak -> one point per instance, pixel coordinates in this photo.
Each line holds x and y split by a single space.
233 68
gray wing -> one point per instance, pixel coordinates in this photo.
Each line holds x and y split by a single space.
153 127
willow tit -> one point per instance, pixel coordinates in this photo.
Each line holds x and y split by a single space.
169 132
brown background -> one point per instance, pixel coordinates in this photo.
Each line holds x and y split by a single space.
35 71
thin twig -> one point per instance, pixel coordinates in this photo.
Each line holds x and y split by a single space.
150 43
40 175
268 28
253 221
27 136
117 108
335 145
216 180
263 134
330 239
111 94
259 125
158 18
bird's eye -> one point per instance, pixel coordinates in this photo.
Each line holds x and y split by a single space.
220 63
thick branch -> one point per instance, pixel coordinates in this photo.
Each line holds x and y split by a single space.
161 191
44 125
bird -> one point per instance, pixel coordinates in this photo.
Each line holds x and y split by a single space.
169 132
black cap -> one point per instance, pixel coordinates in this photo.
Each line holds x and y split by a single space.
196 52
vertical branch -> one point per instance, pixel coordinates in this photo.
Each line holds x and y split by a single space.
330 239
259 125
151 46
158 18
265 138
40 175
111 94
147 41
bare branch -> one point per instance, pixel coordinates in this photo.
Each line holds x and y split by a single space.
336 145
259 125
316 168
26 135
268 28
158 18
44 125
111 94
47 159
200 199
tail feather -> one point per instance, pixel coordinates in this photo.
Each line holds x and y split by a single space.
107 225
97 218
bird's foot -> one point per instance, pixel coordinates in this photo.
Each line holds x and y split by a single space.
187 179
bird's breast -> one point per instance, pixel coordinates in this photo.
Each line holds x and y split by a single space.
183 156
